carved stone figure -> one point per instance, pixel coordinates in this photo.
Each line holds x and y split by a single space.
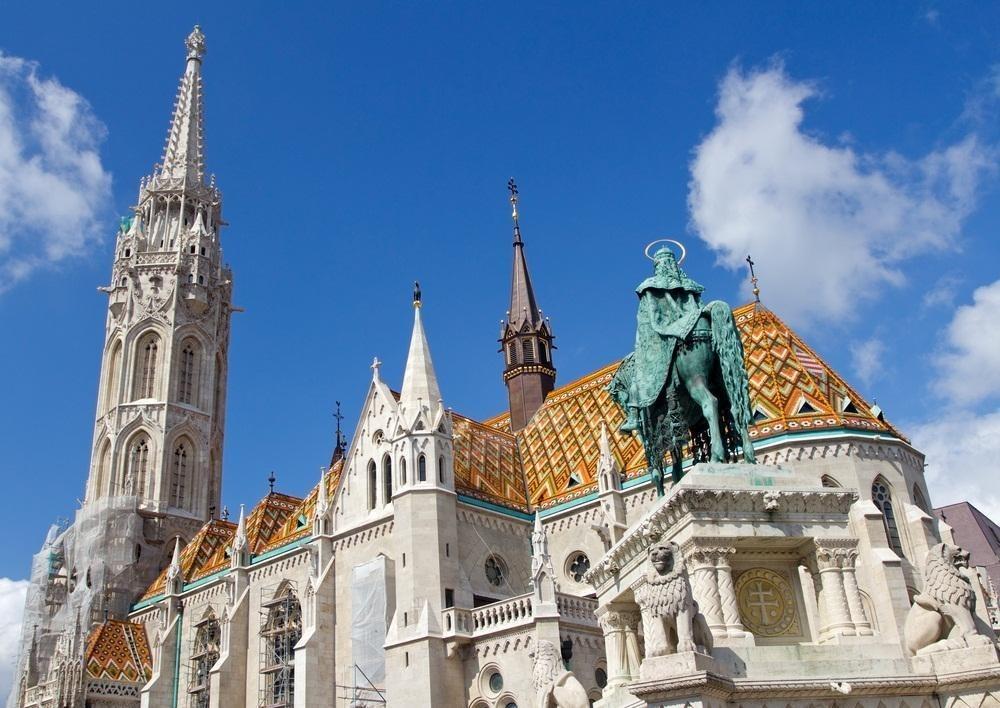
941 616
671 621
555 687
685 383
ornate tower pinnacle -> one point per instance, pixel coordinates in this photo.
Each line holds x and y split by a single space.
525 337
184 153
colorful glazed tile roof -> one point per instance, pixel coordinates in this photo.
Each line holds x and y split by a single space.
791 390
118 651
486 464
200 556
298 523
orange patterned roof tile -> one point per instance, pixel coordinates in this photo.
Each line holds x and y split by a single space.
486 464
298 523
200 556
118 651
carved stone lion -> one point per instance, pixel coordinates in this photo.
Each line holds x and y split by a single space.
555 687
671 621
941 616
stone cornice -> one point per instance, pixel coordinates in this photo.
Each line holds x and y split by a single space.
756 504
709 684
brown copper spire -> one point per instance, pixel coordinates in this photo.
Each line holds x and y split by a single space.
525 337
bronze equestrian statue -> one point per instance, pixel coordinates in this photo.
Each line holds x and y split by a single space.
685 384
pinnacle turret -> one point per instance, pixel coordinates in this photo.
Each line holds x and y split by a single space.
420 387
525 338
184 153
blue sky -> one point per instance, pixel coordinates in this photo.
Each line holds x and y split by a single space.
852 150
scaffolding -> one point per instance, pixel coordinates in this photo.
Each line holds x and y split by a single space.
280 631
203 655
361 693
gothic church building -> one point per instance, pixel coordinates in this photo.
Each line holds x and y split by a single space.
445 561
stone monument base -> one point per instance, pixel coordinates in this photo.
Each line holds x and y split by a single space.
680 664
955 661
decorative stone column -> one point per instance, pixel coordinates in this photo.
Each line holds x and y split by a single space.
838 617
705 586
862 627
727 593
620 623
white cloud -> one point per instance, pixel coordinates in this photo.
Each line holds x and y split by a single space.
962 451
868 359
827 224
12 594
54 191
968 370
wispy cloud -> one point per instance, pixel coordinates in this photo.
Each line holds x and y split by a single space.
968 368
942 293
54 191
961 454
868 358
12 594
828 223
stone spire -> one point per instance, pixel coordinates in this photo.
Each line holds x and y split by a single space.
241 552
525 338
184 153
175 578
420 386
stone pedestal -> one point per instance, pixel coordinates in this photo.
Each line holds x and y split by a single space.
680 664
957 660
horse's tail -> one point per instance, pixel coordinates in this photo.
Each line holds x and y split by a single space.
729 350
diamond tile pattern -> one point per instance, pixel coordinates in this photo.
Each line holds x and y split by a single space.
118 651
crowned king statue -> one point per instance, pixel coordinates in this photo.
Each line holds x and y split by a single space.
685 385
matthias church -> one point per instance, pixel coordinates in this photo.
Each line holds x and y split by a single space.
524 560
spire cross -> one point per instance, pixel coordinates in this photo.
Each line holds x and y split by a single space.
512 188
753 279
338 416
271 480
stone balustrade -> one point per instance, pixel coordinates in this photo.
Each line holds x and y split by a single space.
574 609
508 613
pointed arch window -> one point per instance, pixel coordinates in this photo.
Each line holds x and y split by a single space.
282 631
511 354
441 469
103 471
528 351
402 470
372 485
204 654
179 475
920 500
145 370
421 469
112 382
387 479
543 352
882 497
136 471
187 372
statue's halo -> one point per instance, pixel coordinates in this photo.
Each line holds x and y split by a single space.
668 240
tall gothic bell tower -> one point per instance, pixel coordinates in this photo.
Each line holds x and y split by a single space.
161 406
156 464
525 339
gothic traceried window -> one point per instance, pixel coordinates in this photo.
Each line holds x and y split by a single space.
281 632
387 479
204 654
179 475
187 373
883 500
372 485
145 370
495 570
577 566
136 475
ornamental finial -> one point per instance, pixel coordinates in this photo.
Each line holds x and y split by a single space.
416 293
512 188
195 44
753 279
